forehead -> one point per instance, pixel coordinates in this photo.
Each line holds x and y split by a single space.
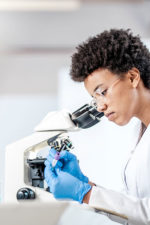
98 77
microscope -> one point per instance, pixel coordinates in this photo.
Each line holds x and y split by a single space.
24 159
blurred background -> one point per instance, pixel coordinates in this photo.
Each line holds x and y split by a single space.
37 39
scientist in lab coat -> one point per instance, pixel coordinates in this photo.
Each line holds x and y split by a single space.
115 69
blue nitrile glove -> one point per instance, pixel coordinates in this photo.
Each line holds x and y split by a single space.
63 185
68 163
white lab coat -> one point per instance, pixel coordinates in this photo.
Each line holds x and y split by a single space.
134 206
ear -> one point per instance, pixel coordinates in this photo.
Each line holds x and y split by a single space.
134 76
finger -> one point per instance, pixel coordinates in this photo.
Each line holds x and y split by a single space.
47 163
50 159
48 166
67 156
57 169
52 152
49 172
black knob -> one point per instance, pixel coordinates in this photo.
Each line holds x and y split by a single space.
20 195
25 193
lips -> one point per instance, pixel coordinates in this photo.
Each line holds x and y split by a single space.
109 115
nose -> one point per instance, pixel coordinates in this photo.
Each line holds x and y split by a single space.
101 107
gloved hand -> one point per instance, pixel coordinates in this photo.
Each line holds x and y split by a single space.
63 185
68 163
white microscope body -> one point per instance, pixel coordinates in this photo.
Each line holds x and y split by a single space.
17 170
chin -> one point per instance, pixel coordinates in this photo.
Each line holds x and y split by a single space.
121 122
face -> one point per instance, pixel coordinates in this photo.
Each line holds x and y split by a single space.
116 96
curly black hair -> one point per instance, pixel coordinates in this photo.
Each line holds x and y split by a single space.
116 50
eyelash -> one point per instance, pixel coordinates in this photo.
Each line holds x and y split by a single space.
104 92
100 93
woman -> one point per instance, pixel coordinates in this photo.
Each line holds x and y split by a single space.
115 69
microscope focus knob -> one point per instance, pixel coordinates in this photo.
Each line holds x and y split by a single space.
25 193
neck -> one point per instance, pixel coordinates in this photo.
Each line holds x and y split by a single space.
144 107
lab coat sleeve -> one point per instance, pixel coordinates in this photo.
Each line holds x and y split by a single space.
132 210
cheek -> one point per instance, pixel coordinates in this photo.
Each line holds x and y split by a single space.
124 105
125 97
